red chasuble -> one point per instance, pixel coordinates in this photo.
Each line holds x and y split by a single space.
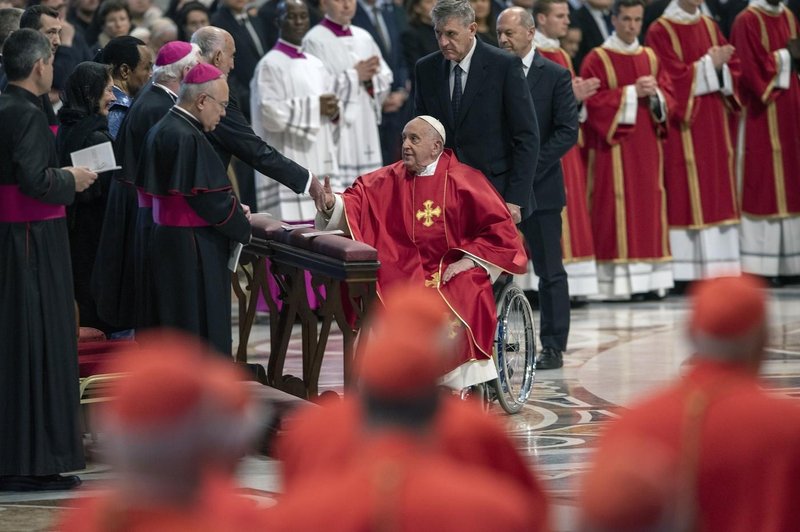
576 237
771 181
624 162
421 225
699 156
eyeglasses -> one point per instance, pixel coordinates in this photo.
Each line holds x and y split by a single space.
224 105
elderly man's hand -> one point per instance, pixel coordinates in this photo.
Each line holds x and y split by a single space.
317 193
457 267
328 200
516 212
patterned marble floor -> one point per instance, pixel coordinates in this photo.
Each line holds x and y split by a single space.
617 352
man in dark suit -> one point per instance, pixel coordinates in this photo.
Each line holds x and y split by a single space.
250 37
480 95
386 22
557 114
234 136
594 20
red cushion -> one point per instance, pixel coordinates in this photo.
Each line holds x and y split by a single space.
94 356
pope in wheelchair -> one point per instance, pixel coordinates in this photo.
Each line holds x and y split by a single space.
440 223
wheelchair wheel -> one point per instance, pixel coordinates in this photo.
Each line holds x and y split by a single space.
515 349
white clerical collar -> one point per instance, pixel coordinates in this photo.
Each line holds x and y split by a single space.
618 45
766 6
430 169
183 111
167 90
677 13
543 41
527 61
464 64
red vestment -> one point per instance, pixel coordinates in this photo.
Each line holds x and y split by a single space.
771 180
327 441
721 439
421 225
699 150
624 162
398 484
576 236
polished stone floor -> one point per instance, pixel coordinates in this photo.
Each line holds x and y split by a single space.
617 352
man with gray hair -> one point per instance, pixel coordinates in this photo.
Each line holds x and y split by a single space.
40 438
9 23
437 223
235 137
480 95
195 213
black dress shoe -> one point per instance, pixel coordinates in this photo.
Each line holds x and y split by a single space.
39 483
550 358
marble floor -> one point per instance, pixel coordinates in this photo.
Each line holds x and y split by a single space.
617 352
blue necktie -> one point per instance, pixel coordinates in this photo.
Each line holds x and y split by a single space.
455 99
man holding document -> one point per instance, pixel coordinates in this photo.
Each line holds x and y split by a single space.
40 436
197 217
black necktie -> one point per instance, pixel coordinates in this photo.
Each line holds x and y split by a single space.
609 25
455 99
385 43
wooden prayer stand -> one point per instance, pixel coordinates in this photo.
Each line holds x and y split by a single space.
344 267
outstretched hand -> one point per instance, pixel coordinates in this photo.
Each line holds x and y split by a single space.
327 199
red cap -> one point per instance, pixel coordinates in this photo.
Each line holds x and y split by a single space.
172 52
410 349
728 307
202 73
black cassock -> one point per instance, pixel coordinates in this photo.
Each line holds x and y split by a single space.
119 284
39 432
197 219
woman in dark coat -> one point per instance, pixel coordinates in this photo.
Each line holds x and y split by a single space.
87 97
419 39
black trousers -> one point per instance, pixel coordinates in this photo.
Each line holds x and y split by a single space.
542 230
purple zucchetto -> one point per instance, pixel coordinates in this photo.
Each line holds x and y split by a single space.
172 52
202 73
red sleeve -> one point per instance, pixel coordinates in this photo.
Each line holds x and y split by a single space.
605 107
681 74
762 65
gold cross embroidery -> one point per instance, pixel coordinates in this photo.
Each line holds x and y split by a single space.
428 213
434 281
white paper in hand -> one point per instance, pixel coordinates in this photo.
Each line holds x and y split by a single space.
97 158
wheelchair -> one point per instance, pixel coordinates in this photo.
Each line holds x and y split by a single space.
515 351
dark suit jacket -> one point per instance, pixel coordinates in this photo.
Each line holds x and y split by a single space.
247 55
234 136
591 35
496 129
557 115
395 20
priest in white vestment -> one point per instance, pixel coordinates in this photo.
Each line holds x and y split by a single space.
294 110
362 82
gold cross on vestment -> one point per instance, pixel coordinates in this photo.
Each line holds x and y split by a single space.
428 213
434 281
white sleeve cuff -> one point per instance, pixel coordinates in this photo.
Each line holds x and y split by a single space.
784 62
583 114
493 271
630 105
308 182
727 81
335 220
705 76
